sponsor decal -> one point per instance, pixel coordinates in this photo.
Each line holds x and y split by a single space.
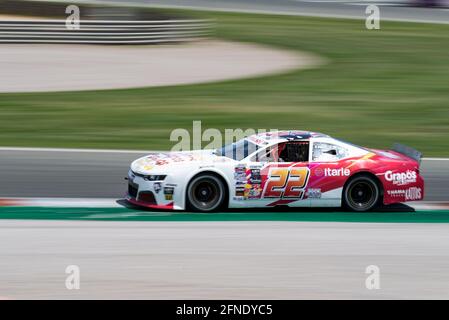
240 174
162 162
314 193
413 193
253 191
396 193
342 172
255 176
319 172
410 194
157 187
161 159
247 182
168 193
240 191
240 168
401 178
257 140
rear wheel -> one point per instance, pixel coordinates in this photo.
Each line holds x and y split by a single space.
362 193
205 193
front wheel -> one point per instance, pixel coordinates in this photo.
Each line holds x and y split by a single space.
205 193
361 194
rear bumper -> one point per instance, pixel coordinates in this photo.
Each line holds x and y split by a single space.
406 193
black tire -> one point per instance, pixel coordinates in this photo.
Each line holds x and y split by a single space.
362 193
205 193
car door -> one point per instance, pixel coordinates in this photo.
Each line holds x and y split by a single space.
328 174
278 180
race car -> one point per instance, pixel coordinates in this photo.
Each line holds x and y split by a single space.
282 168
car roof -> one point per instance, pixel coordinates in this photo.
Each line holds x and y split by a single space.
274 137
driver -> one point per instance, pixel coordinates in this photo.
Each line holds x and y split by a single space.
283 153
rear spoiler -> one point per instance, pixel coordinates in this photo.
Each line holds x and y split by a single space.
407 151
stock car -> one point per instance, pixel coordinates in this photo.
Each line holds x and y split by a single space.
282 168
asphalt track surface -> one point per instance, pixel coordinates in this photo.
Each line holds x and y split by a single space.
389 9
203 259
91 174
223 260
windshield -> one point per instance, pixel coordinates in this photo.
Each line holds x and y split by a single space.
238 150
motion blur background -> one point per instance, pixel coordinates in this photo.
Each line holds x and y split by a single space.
371 87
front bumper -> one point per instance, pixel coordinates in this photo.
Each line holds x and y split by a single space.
169 206
149 194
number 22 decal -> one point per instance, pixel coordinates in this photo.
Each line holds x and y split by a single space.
286 183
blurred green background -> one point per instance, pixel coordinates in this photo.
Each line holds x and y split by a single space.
378 87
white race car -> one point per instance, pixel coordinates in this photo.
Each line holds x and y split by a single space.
293 168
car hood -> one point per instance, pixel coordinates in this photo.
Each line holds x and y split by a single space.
153 162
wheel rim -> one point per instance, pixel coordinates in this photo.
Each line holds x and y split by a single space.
362 195
205 194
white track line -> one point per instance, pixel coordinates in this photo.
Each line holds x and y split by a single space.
60 202
435 159
74 150
255 11
277 12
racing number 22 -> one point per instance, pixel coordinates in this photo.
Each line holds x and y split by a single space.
286 183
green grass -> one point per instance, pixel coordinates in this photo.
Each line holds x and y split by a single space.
379 87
